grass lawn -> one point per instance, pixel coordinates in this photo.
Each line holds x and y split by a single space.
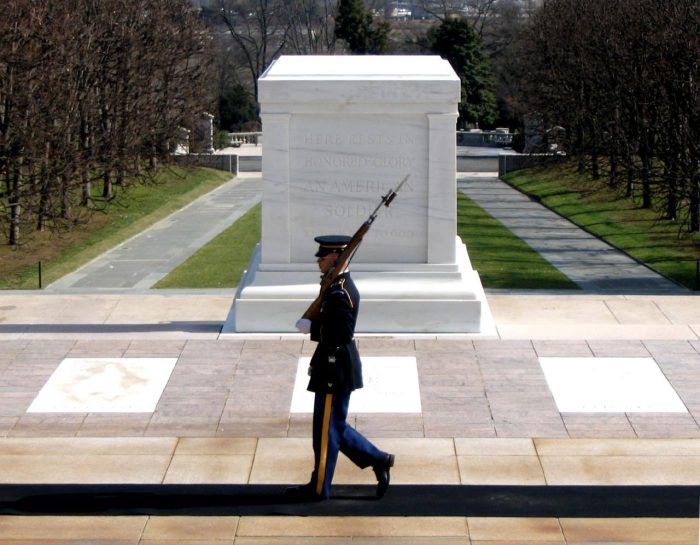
221 262
131 213
502 259
615 219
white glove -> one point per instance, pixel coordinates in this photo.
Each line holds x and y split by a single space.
303 325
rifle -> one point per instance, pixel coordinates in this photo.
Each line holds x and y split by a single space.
348 252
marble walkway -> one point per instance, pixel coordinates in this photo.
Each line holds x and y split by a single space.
488 415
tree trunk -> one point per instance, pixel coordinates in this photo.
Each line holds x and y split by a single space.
153 159
646 180
15 208
107 192
671 177
85 187
42 212
629 190
65 197
595 165
694 223
629 168
612 178
579 146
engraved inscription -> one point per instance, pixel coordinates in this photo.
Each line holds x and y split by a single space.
336 187
357 139
341 174
405 234
353 211
353 161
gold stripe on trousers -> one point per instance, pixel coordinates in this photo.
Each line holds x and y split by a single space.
321 474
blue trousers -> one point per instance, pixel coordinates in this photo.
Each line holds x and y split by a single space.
332 434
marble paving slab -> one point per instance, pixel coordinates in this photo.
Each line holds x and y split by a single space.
109 385
390 386
626 385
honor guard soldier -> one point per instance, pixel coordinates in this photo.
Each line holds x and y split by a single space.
335 371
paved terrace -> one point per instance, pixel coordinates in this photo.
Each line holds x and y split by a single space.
487 417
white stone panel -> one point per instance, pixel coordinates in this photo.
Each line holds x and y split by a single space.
390 386
626 385
341 165
107 385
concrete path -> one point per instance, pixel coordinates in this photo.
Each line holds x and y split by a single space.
144 259
585 259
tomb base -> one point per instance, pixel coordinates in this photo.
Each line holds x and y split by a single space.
395 298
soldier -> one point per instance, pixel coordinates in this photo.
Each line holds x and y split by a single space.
336 371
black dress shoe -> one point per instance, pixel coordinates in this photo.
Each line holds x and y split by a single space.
382 471
304 492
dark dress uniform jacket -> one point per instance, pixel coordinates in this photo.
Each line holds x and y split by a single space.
335 365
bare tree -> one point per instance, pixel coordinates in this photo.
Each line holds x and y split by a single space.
479 12
311 31
260 30
88 89
622 76
442 9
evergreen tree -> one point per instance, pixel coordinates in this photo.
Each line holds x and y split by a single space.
237 109
456 41
358 28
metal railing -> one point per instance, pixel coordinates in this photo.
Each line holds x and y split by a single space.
484 138
240 138
464 138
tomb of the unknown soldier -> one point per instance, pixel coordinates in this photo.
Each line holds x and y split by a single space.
341 132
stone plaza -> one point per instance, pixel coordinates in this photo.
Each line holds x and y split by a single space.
225 416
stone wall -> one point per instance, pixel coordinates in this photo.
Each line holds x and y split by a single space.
227 163
510 162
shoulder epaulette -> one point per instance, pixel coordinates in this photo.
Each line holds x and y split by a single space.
338 288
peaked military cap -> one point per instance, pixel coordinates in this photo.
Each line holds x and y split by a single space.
327 244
